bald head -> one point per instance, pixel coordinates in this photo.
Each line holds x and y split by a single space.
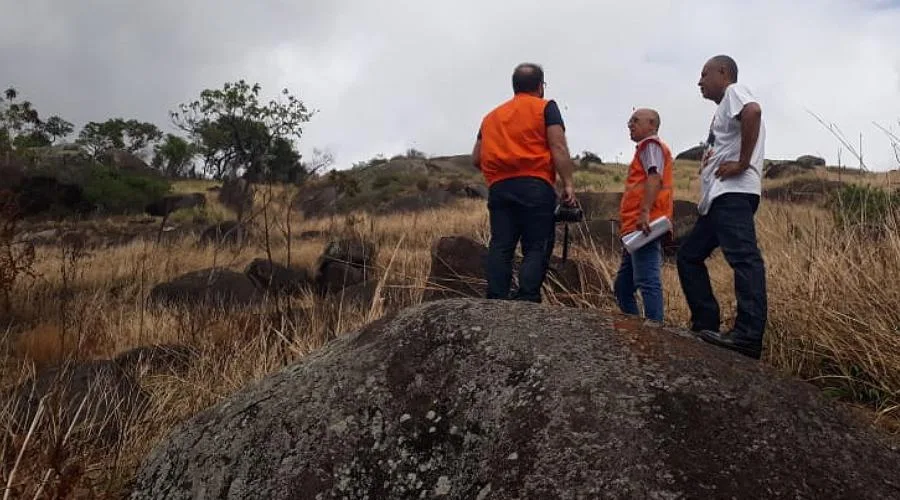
644 123
528 78
725 64
650 115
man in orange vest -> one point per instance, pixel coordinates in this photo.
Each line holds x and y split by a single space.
521 147
647 196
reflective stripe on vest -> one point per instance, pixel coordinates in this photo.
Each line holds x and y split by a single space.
514 141
633 197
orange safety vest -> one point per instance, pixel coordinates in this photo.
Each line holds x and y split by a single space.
514 141
633 197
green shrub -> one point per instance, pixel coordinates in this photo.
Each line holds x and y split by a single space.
856 206
119 192
385 180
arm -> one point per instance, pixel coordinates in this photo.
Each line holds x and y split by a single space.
562 160
651 190
653 161
750 117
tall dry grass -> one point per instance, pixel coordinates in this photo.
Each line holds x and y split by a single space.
832 317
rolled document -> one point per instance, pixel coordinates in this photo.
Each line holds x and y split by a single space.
637 239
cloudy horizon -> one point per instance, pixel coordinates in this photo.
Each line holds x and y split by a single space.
395 75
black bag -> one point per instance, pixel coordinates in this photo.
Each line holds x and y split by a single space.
567 214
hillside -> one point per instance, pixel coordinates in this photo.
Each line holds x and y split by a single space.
175 315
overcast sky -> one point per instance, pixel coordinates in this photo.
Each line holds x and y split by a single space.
387 75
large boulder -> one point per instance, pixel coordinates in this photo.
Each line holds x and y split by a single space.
207 287
492 399
169 204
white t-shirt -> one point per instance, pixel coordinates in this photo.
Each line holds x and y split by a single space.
725 132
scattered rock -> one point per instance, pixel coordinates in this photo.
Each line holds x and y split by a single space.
693 154
164 359
457 269
207 287
126 160
491 399
333 276
783 169
814 191
811 161
237 194
107 396
351 251
312 235
225 233
169 204
317 201
479 191
279 279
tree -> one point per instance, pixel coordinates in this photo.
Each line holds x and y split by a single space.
116 133
21 125
56 128
239 134
174 156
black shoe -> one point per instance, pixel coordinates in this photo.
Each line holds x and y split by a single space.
731 340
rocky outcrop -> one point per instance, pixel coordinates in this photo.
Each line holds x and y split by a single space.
491 399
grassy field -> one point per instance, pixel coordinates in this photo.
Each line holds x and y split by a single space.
832 310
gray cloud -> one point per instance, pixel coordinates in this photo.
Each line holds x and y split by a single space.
390 75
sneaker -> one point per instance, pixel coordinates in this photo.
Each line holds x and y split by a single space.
731 340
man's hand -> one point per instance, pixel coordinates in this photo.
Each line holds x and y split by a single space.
644 222
730 169
568 194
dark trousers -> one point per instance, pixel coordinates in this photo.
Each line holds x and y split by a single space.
729 225
521 209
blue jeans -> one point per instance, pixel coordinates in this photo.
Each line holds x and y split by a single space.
730 226
521 210
641 271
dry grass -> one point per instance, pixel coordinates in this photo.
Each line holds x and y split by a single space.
831 300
